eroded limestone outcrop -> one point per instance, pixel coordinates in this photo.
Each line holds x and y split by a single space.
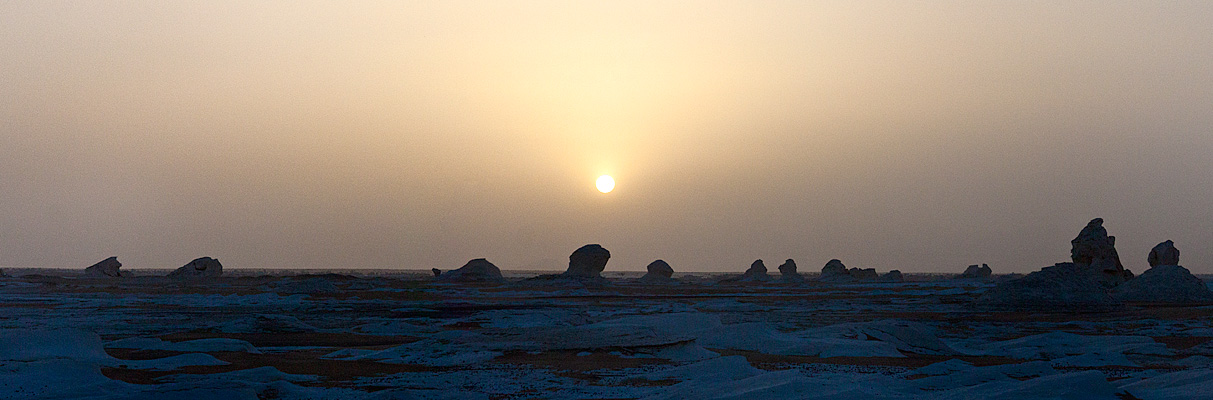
477 270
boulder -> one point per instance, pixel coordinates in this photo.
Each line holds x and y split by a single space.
107 268
1063 287
478 270
756 273
588 262
865 274
1164 253
436 272
892 276
204 267
1095 250
976 272
835 271
787 272
659 271
1170 284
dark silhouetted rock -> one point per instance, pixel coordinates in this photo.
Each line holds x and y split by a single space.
865 274
436 272
105 268
1165 283
1164 253
588 262
788 273
835 271
478 270
658 271
1094 249
1064 286
976 272
892 276
756 273
204 267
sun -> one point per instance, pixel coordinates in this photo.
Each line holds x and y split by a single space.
605 184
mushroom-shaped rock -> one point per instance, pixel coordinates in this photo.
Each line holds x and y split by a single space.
1064 286
1094 249
864 274
478 270
204 267
658 271
835 271
1171 284
788 273
1164 253
892 276
976 272
436 272
107 268
588 262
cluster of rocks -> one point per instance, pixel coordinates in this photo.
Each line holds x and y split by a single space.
1096 279
834 271
198 268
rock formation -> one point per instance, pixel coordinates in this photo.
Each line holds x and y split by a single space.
756 273
1165 281
865 274
787 272
1064 286
587 262
105 268
892 276
1171 284
1164 253
478 270
659 271
976 272
204 267
436 272
1093 249
835 271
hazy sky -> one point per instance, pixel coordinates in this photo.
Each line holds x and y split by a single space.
920 136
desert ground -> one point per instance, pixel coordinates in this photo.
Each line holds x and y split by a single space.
409 335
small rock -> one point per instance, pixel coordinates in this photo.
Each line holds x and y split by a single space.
105 268
892 276
787 272
1164 253
436 272
865 274
976 272
477 270
204 267
835 271
658 271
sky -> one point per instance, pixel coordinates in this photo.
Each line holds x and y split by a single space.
919 136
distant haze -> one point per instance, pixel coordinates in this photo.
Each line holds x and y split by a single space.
920 136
